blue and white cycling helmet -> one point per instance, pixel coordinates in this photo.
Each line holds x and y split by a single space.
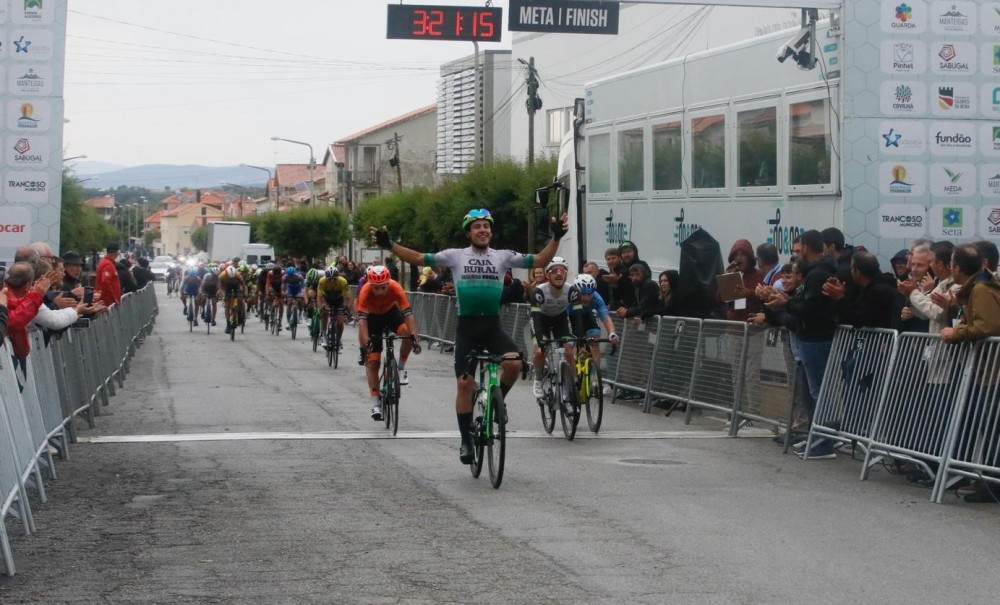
479 214
585 283
192 272
291 272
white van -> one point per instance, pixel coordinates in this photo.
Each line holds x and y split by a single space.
259 254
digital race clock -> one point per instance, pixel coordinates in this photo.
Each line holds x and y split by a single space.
431 22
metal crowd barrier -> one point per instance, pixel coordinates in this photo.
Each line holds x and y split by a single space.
66 375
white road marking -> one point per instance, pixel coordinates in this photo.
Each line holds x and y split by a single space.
352 435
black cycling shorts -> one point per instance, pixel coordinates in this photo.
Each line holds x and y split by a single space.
557 326
377 323
472 331
210 292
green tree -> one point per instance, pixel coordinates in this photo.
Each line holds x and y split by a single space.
432 219
309 232
149 237
82 229
199 238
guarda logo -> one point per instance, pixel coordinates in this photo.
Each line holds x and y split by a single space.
903 18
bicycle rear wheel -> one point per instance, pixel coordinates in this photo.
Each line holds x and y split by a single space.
394 399
293 320
497 446
190 314
335 347
330 348
567 393
595 404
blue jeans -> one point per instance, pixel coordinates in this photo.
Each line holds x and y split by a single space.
814 356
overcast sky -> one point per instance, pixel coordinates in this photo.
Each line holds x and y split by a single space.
209 82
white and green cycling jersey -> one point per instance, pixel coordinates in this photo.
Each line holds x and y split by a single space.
479 276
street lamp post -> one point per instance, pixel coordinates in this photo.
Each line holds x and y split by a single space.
75 157
312 167
267 184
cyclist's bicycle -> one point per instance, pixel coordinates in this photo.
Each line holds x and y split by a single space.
189 310
292 315
235 315
389 386
489 427
560 392
273 309
589 384
315 326
332 341
171 285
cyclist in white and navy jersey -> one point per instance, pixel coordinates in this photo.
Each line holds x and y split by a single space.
553 304
478 272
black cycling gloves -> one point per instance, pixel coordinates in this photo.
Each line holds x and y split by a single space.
382 239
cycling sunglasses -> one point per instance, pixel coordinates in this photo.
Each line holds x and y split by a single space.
479 213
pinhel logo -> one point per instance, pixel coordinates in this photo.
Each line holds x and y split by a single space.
951 217
904 13
22 146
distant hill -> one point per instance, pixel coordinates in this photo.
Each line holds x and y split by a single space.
86 167
160 176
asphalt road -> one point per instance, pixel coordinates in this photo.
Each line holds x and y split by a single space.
250 472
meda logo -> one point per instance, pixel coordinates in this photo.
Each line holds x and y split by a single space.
954 186
990 19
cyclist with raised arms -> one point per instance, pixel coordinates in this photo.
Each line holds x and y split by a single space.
597 310
553 303
382 303
478 272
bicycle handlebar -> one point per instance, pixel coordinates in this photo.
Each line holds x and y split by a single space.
478 355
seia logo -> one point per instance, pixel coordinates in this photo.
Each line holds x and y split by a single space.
898 183
951 218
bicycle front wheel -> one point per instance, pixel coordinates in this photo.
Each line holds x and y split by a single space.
547 408
497 444
595 403
568 400
330 349
293 320
335 348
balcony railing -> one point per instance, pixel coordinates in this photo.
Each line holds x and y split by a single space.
358 177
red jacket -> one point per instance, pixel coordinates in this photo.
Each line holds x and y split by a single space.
22 311
107 284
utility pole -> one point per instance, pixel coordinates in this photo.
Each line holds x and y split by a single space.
393 145
533 103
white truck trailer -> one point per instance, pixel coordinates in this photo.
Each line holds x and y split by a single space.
226 239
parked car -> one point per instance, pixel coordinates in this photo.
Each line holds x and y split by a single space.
160 265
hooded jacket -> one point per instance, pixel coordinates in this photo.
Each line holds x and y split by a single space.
751 279
982 309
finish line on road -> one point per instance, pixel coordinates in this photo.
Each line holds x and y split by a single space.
363 435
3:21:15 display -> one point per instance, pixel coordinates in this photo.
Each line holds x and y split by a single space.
433 22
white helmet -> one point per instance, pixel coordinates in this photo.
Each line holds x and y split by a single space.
585 283
231 271
557 261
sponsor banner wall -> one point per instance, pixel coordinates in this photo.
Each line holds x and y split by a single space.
922 86
32 66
